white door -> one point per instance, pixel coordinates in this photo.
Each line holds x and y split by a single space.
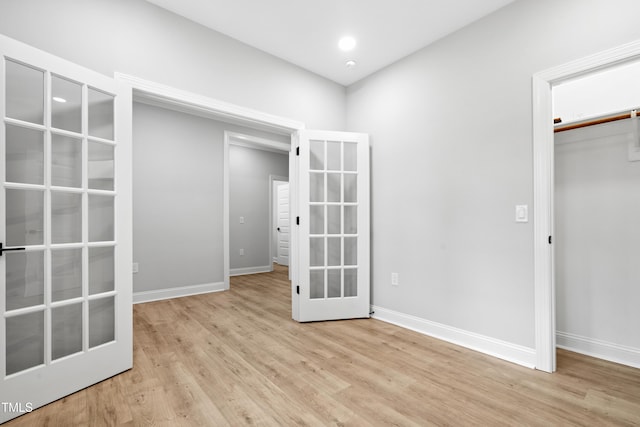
332 270
283 224
65 282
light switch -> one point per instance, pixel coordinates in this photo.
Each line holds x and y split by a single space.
241 220
522 213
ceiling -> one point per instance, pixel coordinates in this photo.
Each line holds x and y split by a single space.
306 32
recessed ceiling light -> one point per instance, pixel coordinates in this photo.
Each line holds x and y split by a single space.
350 64
347 43
58 99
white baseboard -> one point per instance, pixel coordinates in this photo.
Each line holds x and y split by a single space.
514 353
601 349
183 291
250 270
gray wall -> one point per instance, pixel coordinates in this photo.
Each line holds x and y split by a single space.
249 171
135 37
451 143
597 209
177 192
178 197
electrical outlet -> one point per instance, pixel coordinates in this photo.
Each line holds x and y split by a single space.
135 267
395 279
241 252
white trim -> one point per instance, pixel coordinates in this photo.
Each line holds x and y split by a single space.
177 292
180 100
251 270
513 353
226 240
601 349
544 287
257 143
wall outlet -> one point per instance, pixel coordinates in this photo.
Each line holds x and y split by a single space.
395 279
135 267
241 252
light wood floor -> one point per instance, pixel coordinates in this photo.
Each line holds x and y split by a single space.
237 358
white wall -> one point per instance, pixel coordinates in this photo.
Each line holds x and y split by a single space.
141 39
178 198
609 91
249 171
452 155
597 212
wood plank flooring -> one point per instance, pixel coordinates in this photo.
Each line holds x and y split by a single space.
236 358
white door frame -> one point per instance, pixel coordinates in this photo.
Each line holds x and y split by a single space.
188 102
256 143
273 220
543 165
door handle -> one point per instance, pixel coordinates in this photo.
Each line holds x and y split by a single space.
2 250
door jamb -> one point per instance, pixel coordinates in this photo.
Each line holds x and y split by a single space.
543 164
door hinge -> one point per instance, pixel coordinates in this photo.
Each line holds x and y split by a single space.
298 290
297 220
549 239
297 151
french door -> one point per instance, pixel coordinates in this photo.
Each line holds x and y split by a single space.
332 275
65 293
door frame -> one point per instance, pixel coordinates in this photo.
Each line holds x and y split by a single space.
254 143
543 174
164 96
273 219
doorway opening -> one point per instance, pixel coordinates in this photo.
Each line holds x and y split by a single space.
543 151
252 164
158 95
596 206
280 220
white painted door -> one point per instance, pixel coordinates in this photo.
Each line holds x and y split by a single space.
333 232
283 224
65 279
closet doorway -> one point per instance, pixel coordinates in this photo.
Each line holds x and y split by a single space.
596 207
545 237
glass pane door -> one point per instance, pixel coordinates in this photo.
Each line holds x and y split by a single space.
59 212
334 235
59 298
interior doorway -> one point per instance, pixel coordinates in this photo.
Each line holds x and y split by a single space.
252 165
543 150
596 206
280 215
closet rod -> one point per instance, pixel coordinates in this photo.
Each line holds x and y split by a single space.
599 121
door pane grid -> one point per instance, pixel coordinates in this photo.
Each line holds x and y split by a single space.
48 139
333 219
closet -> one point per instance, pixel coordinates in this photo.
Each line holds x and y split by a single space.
597 236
